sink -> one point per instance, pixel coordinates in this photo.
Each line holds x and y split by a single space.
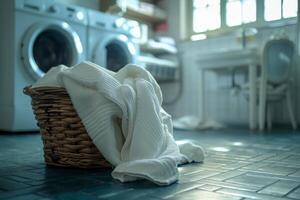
228 58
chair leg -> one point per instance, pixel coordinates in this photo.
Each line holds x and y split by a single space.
262 111
269 116
290 109
262 102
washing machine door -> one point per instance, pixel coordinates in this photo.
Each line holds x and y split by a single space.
50 44
114 52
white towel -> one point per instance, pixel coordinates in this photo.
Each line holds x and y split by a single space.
189 122
122 114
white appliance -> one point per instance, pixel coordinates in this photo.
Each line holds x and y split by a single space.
111 41
34 36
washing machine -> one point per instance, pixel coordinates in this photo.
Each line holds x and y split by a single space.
34 36
112 40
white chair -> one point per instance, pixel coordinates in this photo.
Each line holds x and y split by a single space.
275 82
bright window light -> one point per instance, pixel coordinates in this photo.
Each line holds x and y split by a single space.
289 8
240 12
249 11
198 37
277 9
272 10
233 12
206 15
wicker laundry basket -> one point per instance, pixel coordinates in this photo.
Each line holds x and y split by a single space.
66 142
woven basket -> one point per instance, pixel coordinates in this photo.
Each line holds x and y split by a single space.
66 142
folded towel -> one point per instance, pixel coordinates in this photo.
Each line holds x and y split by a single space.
122 114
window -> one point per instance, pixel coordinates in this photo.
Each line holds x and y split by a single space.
240 12
278 9
289 8
220 16
206 15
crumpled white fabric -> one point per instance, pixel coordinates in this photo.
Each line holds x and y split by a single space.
189 122
122 114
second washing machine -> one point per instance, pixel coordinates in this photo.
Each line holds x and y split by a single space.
111 43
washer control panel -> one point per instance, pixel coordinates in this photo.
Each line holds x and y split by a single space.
58 10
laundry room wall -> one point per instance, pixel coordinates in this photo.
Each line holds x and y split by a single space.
297 89
222 104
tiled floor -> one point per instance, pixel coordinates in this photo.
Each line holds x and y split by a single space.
240 165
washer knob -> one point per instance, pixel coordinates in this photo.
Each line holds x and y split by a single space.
53 9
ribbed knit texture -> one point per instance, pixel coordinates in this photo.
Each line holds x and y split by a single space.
122 114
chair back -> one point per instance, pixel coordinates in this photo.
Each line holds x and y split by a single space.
277 60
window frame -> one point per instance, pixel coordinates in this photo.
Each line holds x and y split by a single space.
224 28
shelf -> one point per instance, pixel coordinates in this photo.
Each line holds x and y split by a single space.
154 15
153 61
158 48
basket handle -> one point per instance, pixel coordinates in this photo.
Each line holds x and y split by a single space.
29 91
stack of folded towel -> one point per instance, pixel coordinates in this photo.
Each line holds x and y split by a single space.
122 114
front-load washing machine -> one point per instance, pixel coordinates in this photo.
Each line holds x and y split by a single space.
35 36
111 42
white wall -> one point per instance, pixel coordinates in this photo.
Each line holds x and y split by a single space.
221 104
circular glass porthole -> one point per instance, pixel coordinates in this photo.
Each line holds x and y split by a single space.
47 45
116 56
52 48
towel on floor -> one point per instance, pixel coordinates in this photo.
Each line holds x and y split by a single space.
122 114
189 122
